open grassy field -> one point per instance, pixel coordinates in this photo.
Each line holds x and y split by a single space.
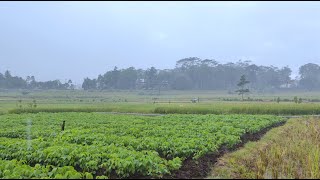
210 102
183 108
290 151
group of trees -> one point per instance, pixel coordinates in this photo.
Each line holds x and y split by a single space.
310 76
189 73
7 81
194 73
128 78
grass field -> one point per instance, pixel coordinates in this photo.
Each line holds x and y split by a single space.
211 102
291 151
201 108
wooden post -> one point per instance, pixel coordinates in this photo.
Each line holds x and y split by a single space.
62 127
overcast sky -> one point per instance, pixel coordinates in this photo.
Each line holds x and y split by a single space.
62 40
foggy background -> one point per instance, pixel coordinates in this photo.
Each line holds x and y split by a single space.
74 40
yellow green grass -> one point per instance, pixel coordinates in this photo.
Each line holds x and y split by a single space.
180 108
289 151
169 102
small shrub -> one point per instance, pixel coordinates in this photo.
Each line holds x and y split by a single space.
25 92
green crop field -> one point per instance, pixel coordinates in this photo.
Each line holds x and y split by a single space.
97 145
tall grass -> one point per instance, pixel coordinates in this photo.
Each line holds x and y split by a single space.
290 151
240 108
139 109
187 108
170 102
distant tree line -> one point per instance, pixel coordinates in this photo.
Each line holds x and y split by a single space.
7 81
207 74
189 74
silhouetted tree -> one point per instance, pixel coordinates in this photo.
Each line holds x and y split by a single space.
241 85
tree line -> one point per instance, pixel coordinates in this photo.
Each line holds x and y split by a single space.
207 74
190 73
7 81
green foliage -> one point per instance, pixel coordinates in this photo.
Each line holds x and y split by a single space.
14 169
34 103
241 85
101 177
25 92
242 81
237 108
102 144
216 108
189 73
211 101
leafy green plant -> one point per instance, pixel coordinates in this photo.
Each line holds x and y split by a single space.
102 145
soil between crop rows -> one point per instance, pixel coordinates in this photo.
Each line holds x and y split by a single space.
199 169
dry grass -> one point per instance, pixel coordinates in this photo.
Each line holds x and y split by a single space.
290 151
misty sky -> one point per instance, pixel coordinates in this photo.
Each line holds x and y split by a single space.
62 40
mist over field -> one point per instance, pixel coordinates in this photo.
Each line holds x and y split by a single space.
75 40
159 90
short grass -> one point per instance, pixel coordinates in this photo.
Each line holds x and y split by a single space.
290 151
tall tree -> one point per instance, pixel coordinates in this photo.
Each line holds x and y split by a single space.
89 84
241 85
150 75
127 78
310 76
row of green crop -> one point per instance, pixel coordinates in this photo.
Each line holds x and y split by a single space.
88 158
14 169
121 144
